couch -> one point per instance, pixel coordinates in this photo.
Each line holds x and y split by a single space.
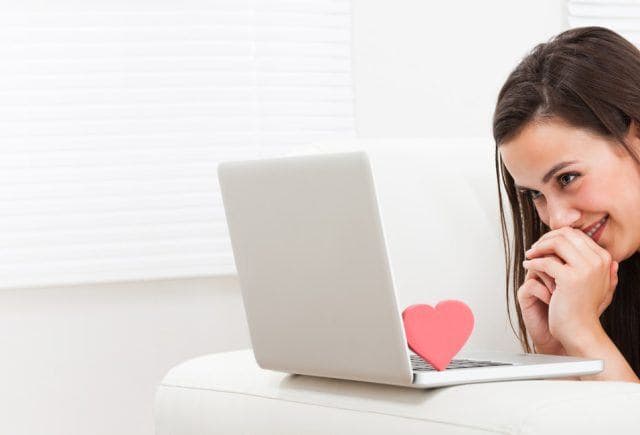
438 201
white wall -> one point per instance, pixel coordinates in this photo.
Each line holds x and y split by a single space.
426 68
86 359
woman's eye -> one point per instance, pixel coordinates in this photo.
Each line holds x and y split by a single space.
562 179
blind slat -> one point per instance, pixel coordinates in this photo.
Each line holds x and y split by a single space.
113 119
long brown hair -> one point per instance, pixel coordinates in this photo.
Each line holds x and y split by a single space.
588 77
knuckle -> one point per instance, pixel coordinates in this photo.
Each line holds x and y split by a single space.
527 288
523 288
597 261
602 260
537 286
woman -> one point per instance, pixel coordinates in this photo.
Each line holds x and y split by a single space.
567 134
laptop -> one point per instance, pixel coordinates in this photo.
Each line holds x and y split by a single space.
317 285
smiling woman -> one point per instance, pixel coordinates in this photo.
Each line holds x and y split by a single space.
567 144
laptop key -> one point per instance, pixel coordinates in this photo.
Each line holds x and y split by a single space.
419 364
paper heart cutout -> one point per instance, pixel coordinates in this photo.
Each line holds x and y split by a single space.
437 334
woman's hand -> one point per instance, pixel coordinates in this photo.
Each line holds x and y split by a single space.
585 280
534 296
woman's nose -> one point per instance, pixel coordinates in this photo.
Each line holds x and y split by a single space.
561 215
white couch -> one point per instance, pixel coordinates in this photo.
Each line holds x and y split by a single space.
227 393
438 200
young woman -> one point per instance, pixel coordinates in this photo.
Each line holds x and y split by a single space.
567 133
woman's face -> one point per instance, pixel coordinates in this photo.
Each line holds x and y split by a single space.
602 180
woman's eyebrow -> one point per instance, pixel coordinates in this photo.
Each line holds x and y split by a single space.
551 172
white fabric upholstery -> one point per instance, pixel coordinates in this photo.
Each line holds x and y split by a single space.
227 393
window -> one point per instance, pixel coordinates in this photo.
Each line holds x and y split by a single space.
621 16
115 115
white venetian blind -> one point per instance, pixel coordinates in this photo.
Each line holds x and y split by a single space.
621 16
114 115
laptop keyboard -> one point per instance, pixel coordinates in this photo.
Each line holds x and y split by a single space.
421 365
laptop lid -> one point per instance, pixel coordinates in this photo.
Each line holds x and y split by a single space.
312 265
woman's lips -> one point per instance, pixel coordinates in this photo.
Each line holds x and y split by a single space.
587 229
596 236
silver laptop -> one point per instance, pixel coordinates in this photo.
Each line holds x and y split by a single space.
317 285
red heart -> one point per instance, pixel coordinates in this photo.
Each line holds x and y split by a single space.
437 335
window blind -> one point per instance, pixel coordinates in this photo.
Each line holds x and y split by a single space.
621 16
114 116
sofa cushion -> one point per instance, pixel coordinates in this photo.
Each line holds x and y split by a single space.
227 393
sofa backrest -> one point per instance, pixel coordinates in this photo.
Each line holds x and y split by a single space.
439 206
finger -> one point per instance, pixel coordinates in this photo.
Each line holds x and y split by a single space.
548 281
534 274
532 290
581 239
568 250
605 303
543 278
547 265
614 275
608 297
546 235
586 244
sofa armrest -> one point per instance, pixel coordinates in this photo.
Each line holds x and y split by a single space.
228 393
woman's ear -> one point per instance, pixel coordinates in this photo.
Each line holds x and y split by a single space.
632 137
633 132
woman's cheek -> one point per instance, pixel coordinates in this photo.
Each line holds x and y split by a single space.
590 197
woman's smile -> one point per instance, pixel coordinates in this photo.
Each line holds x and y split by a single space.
597 230
595 174
567 132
